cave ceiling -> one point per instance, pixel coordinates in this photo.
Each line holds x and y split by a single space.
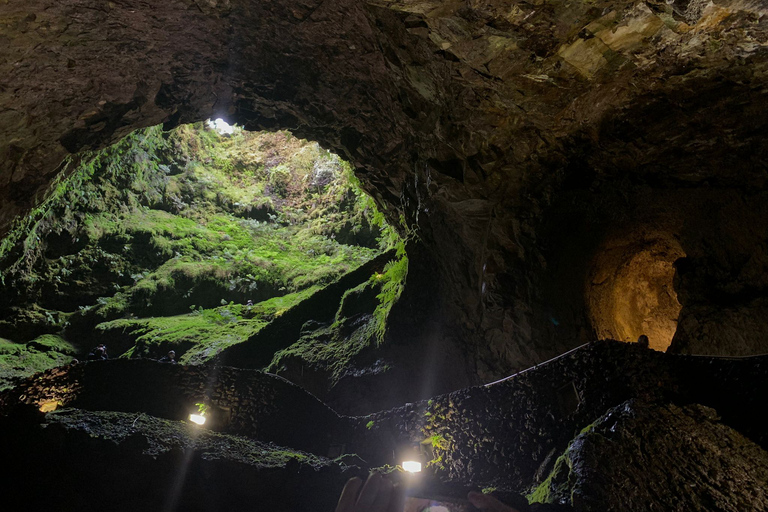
472 118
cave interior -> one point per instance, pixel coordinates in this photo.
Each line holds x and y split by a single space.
565 176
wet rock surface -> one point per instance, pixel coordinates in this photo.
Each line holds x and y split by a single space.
507 435
643 456
99 460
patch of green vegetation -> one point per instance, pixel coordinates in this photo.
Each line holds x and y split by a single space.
392 283
123 175
440 446
435 433
439 441
544 492
370 425
198 336
19 360
161 221
202 334
327 348
52 343
555 487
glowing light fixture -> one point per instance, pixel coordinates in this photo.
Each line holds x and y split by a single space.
197 418
412 466
412 458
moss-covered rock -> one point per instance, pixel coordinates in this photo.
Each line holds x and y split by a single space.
235 229
19 360
641 456
198 336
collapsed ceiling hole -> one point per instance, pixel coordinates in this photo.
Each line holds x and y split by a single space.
197 240
630 290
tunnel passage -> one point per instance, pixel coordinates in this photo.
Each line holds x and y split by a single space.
630 290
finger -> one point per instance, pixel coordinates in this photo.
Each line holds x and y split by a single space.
349 495
487 502
381 503
369 492
397 501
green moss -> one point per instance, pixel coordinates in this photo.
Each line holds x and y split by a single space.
199 336
555 486
392 283
19 360
327 349
276 306
544 492
52 342
164 220
196 337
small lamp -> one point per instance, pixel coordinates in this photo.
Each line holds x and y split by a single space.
197 418
412 459
412 466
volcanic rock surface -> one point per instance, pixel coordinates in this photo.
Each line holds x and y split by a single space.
98 460
506 436
661 458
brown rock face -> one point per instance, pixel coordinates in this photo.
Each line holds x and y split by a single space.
520 139
646 447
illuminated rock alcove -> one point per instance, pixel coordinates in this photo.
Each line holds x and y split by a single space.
631 291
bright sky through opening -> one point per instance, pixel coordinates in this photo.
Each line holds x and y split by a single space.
221 126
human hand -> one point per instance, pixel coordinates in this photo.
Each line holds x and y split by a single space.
488 502
377 494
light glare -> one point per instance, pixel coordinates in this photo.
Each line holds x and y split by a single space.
197 418
412 466
222 127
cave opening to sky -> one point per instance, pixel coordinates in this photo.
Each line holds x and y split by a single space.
198 240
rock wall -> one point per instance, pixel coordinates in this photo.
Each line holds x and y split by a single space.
466 117
685 266
641 457
509 434
506 435
96 460
242 402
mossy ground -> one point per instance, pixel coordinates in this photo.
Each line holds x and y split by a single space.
18 360
203 333
160 240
